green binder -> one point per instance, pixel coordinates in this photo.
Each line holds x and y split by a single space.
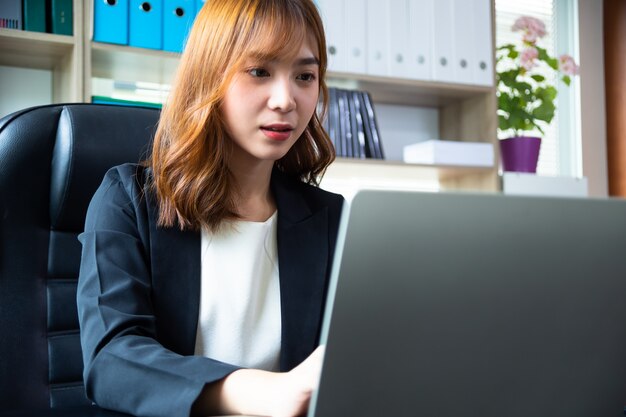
62 17
35 15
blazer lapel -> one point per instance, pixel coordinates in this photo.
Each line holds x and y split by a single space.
303 263
175 260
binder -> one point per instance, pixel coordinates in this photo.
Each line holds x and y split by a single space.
121 102
398 58
110 21
464 41
443 41
374 148
483 44
35 15
356 35
11 14
333 120
145 28
332 12
62 17
345 135
356 125
178 16
420 39
199 4
378 37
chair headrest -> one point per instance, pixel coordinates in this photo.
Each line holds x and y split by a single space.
73 145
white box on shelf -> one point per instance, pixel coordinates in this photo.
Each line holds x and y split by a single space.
519 183
448 152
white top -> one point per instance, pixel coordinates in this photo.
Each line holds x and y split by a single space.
240 317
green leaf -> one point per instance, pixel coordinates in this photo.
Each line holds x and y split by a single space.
513 54
543 54
546 93
508 77
545 57
523 87
538 78
503 123
520 119
544 112
504 102
567 80
553 63
508 46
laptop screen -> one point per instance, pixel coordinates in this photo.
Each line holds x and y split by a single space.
486 305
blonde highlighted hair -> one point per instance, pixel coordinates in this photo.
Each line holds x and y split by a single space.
191 179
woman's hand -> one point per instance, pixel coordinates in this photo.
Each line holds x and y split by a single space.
297 386
263 393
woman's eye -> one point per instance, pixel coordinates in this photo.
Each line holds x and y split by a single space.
306 77
258 72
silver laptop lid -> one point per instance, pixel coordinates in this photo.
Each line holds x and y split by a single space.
451 305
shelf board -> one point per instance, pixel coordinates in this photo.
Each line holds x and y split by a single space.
33 49
408 92
128 64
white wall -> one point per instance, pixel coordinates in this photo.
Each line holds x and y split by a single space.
592 97
403 125
23 87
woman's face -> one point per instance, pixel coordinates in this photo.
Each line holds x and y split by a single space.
269 104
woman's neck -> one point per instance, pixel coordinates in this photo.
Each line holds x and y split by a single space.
255 201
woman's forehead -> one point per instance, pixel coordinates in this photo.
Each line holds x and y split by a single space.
303 51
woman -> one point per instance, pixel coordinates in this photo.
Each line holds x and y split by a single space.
205 270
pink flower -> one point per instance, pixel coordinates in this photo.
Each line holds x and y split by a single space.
528 57
533 28
567 65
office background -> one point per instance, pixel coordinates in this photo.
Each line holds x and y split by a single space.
40 68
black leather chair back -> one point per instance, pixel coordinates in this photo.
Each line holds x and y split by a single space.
52 159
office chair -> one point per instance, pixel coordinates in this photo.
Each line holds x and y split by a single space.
52 159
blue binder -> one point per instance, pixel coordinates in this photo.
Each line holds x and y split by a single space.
110 21
199 4
146 24
178 16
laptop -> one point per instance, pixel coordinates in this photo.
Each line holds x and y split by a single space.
449 305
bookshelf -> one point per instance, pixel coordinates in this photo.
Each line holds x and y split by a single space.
466 112
60 54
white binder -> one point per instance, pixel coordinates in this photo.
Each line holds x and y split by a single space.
443 41
398 57
483 44
332 12
378 37
420 39
355 26
464 41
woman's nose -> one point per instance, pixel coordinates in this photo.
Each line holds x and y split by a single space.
282 96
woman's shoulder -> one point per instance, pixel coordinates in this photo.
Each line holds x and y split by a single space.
127 173
128 182
132 177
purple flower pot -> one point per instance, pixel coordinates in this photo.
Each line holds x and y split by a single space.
520 154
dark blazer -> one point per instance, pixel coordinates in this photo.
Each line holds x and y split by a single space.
139 288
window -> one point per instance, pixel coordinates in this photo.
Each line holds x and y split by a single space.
561 145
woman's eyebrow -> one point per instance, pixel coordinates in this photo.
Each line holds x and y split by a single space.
301 62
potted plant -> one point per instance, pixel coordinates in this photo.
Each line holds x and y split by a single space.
525 96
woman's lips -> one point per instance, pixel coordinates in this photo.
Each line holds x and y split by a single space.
277 132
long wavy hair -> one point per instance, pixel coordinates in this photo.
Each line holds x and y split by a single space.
191 149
